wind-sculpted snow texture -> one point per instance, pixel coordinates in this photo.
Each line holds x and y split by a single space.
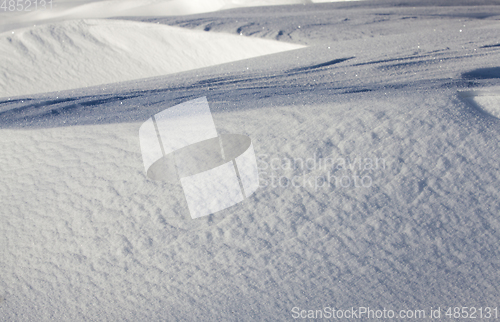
86 236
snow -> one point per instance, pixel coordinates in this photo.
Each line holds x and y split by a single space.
490 103
69 9
487 100
81 53
86 236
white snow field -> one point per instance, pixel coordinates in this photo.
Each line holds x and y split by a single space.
81 53
399 95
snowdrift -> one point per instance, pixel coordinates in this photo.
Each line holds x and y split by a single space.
85 53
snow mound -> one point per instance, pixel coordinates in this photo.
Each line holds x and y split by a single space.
487 101
84 53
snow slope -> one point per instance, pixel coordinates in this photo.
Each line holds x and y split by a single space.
88 237
81 53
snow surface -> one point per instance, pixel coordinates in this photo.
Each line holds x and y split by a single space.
487 101
71 9
87 237
82 53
